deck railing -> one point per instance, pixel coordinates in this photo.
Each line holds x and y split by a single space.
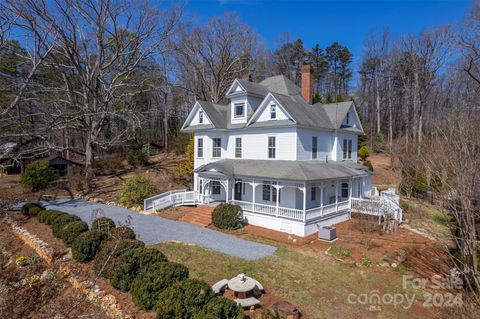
284 212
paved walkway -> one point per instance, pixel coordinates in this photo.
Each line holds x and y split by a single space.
153 229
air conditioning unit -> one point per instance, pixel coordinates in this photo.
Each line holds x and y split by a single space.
327 233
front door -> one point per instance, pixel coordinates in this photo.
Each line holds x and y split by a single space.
238 191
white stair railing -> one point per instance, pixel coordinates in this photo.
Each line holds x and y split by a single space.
169 199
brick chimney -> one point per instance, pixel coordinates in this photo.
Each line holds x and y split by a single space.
307 83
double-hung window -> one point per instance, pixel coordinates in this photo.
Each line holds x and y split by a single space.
239 109
271 147
200 116
269 192
313 193
200 148
273 111
347 149
238 147
347 119
217 147
314 147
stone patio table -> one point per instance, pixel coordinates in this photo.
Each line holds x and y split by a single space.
241 285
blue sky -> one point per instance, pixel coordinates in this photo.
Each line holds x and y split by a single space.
326 21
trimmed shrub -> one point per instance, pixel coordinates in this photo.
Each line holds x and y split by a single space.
33 212
29 206
220 308
363 153
134 190
132 263
154 279
227 216
61 221
123 232
87 244
104 224
183 299
107 259
37 175
72 230
48 216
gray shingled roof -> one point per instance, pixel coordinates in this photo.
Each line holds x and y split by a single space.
324 116
281 84
286 170
253 88
336 112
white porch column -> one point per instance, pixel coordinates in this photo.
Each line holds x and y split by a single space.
321 199
350 189
336 195
277 189
304 202
254 186
227 190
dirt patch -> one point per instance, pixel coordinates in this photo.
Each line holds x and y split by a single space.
384 172
175 213
360 237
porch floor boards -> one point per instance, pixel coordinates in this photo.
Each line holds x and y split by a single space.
200 215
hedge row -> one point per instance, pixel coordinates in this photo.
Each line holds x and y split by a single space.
153 281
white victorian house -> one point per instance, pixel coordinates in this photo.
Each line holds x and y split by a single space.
289 164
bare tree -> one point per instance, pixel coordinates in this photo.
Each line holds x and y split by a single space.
99 51
210 57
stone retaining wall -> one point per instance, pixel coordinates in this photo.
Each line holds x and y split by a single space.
42 248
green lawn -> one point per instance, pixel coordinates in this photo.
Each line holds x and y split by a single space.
304 276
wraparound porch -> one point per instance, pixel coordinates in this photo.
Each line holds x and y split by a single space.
295 201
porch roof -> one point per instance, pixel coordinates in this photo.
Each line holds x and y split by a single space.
313 170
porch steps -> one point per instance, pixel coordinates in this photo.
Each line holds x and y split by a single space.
200 215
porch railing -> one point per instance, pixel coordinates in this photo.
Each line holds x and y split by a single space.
284 212
316 212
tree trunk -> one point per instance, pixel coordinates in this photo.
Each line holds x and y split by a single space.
377 102
89 158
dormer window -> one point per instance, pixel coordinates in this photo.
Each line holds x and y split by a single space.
347 119
239 109
200 116
273 111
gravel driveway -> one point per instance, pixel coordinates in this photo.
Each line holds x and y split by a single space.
153 229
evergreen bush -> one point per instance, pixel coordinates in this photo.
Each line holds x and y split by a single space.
136 156
227 216
132 262
134 190
104 224
71 231
183 299
48 216
87 244
28 206
220 308
123 232
38 175
107 259
33 211
154 279
363 153
61 221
